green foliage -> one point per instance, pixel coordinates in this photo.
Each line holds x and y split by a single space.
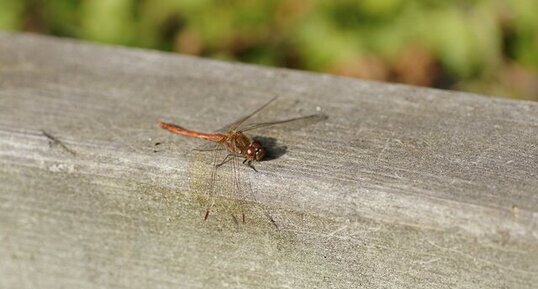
526 32
465 42
11 13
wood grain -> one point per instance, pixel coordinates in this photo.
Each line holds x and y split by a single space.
400 187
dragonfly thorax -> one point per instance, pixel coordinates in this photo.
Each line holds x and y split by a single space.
251 149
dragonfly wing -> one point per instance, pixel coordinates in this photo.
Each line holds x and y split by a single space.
292 123
209 147
239 122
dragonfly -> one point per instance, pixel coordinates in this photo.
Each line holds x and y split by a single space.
236 140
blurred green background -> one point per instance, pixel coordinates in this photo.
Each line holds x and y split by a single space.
484 46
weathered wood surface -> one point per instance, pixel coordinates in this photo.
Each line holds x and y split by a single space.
400 187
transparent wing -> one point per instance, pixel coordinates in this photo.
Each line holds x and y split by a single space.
297 122
209 146
237 123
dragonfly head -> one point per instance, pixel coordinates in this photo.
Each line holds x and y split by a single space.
255 151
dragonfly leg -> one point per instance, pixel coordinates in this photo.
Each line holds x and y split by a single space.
226 159
206 215
249 163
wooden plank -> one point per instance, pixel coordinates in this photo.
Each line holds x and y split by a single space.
399 187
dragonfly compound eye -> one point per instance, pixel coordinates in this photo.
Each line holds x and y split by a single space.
255 151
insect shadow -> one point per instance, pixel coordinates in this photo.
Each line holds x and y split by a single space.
273 150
